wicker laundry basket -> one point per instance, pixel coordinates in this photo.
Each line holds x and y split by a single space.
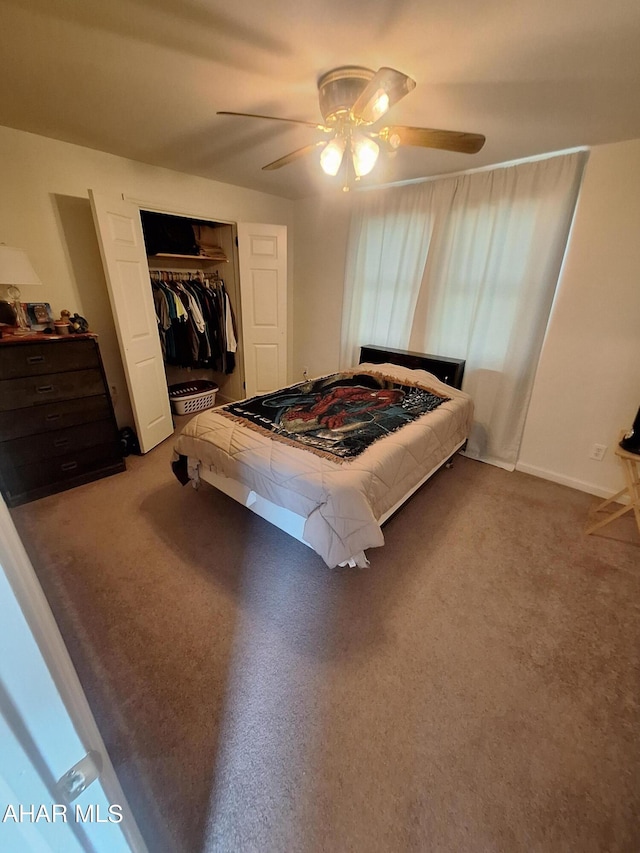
195 396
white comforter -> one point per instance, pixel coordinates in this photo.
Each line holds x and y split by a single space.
341 502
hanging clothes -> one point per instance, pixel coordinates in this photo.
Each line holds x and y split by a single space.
231 335
195 320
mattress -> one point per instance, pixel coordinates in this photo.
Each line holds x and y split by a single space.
342 502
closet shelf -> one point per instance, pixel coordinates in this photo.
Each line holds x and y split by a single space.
221 260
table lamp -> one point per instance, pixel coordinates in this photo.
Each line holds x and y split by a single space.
15 272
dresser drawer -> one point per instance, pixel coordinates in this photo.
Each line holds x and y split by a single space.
49 445
57 424
22 479
31 391
53 416
54 357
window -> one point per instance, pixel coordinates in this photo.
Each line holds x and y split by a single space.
466 267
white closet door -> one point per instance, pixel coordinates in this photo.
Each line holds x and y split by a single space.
125 264
46 728
262 252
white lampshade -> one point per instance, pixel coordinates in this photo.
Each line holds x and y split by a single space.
332 154
15 267
365 153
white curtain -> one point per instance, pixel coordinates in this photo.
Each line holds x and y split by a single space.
465 267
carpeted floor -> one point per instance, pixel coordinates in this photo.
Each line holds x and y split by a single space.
475 689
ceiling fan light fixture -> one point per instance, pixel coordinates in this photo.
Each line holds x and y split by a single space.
380 105
352 98
364 152
339 89
394 141
332 154
385 89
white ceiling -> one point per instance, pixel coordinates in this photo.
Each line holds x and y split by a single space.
144 78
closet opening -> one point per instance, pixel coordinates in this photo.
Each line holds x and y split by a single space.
249 257
193 274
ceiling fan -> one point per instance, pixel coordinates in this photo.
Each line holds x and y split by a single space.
352 100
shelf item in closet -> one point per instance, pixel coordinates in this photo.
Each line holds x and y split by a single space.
57 424
222 259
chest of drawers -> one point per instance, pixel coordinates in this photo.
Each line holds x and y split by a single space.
57 425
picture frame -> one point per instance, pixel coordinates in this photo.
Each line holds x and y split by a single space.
39 315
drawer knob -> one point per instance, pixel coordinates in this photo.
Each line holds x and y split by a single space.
45 389
54 416
68 466
60 442
35 359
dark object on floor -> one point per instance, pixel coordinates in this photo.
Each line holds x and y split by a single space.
631 441
179 467
129 442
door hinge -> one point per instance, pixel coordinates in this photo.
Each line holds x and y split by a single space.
78 778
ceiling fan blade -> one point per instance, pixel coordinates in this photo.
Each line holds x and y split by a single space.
294 155
447 140
275 118
385 89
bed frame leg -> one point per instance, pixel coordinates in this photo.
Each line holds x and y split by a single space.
450 460
193 469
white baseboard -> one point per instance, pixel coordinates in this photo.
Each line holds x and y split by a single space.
581 485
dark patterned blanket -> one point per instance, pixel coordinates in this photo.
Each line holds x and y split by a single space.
336 416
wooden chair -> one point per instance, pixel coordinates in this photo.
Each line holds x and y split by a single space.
631 466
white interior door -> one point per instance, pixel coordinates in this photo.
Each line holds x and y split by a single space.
262 253
46 728
125 263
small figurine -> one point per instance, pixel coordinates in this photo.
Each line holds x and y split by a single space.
78 324
63 326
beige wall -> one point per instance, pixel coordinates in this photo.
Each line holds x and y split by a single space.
321 231
588 383
45 210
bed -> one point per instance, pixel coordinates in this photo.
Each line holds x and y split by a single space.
335 504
